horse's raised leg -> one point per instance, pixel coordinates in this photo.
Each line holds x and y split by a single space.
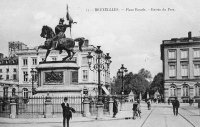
69 55
47 53
72 54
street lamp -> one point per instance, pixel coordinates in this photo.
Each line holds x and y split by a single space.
120 74
33 74
99 66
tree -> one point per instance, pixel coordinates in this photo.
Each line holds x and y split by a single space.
157 84
116 86
138 83
145 73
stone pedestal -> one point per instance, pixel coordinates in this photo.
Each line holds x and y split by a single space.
86 105
111 107
59 78
13 111
99 110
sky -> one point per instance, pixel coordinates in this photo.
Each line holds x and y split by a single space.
132 34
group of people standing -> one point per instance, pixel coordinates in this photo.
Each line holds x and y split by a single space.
136 109
67 110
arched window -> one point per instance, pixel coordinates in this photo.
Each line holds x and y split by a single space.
13 92
173 90
5 92
185 90
25 93
197 89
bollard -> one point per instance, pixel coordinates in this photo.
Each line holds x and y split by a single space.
86 105
48 107
13 107
111 106
99 110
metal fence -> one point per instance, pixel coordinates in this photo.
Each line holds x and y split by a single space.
34 107
75 102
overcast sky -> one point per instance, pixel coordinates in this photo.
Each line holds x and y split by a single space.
132 38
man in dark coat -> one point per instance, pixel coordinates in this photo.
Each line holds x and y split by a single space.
176 105
115 108
67 112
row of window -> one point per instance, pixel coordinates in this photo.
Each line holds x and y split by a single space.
34 60
7 70
25 61
8 77
24 92
185 90
184 53
184 70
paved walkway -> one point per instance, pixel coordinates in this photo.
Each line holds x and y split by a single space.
161 115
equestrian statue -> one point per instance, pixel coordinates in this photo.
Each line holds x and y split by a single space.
58 40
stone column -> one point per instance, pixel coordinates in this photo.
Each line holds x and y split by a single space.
99 110
111 106
13 108
86 105
48 107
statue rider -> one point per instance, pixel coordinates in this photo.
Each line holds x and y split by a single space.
60 33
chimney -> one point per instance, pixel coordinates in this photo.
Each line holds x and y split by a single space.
189 35
86 43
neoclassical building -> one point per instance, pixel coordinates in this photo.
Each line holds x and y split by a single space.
29 59
181 68
9 84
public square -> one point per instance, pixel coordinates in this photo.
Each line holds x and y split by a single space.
160 115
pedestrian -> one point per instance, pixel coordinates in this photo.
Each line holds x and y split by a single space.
135 109
149 104
168 101
190 101
176 105
115 107
67 112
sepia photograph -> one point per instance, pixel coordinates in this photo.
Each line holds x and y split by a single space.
99 63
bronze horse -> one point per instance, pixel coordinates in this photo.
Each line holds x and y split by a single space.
66 44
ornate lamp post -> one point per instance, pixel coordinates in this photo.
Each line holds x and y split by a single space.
121 73
99 66
33 78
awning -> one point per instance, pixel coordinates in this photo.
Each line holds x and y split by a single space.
105 90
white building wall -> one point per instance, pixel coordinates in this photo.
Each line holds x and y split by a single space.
91 83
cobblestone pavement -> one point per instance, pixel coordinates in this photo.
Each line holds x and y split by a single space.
160 116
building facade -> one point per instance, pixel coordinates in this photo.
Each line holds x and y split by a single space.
30 58
9 76
181 68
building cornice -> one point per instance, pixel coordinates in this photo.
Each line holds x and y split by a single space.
181 80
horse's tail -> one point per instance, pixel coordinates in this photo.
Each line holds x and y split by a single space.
80 41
